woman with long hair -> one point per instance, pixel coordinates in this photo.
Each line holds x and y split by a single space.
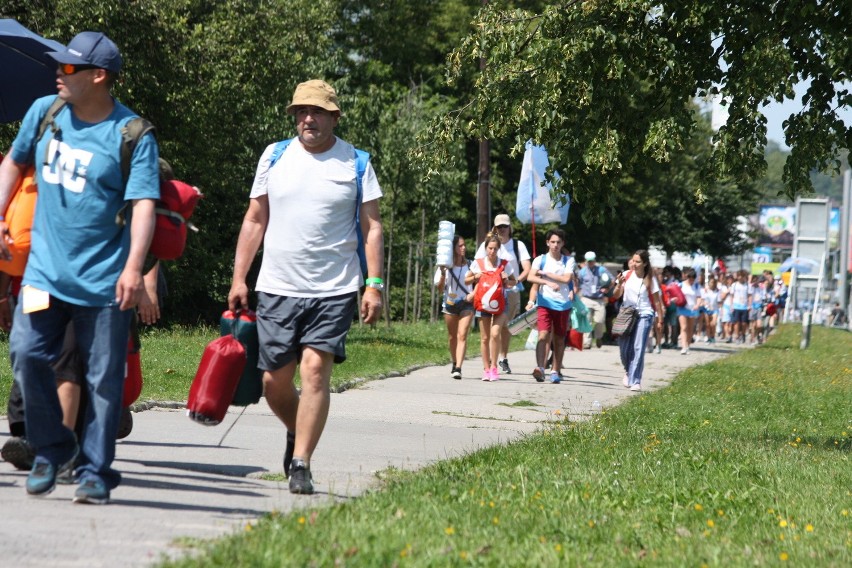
491 323
688 313
458 304
640 290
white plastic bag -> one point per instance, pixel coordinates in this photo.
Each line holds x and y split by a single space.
532 340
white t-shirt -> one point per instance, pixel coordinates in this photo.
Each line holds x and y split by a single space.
455 290
547 296
740 293
711 298
310 245
636 293
691 293
507 252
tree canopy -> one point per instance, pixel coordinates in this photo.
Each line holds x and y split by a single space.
607 86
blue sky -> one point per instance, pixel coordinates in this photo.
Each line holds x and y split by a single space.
777 113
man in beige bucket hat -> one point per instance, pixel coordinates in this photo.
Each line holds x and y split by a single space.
314 206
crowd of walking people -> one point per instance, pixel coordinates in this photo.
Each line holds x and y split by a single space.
669 307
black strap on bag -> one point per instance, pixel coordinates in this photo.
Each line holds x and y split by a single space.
462 286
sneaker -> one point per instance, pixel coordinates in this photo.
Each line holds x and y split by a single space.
729 340
19 453
636 388
42 479
598 343
486 375
456 374
504 366
538 374
65 473
495 374
626 380
684 351
288 452
658 350
301 482
555 377
92 491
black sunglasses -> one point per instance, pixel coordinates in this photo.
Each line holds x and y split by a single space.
71 68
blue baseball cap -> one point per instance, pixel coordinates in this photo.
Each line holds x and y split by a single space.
90 48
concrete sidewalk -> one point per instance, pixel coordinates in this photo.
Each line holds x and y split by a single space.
180 483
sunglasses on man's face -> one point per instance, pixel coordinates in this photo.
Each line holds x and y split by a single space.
71 68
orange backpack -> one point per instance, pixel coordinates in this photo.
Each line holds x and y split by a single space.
19 220
488 296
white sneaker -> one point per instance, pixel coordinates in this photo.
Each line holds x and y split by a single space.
684 351
658 350
626 380
636 388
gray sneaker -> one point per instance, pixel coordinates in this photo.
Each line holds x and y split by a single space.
504 367
92 491
18 452
301 482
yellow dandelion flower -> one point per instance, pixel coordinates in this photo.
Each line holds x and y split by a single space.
698 507
558 547
482 503
720 512
809 527
784 556
706 533
450 531
591 524
301 520
248 528
770 511
463 554
491 504
845 512
710 523
782 524
781 536
495 521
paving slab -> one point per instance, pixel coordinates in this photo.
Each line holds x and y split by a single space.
184 481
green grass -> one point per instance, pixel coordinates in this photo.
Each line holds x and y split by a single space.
741 462
170 356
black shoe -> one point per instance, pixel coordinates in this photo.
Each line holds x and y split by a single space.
19 453
504 367
288 453
456 374
125 424
301 482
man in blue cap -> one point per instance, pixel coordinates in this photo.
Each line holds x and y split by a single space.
84 266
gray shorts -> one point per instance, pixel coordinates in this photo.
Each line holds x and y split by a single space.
285 325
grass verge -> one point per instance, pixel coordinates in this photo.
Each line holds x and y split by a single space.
741 462
170 356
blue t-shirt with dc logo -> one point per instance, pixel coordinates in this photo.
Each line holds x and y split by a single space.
78 249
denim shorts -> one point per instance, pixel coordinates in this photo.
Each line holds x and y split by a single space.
460 308
286 324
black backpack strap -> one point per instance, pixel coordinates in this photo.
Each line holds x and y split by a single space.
49 121
131 134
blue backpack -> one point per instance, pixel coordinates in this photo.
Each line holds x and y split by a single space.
361 160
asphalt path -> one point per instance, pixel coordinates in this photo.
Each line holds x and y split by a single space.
187 481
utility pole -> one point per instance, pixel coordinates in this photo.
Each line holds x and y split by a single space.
483 191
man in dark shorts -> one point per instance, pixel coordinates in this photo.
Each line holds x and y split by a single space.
303 209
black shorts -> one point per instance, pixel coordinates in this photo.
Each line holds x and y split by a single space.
739 316
286 324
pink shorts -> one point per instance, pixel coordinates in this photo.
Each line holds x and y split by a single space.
552 320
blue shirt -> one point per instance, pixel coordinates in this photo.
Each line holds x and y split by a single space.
78 249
